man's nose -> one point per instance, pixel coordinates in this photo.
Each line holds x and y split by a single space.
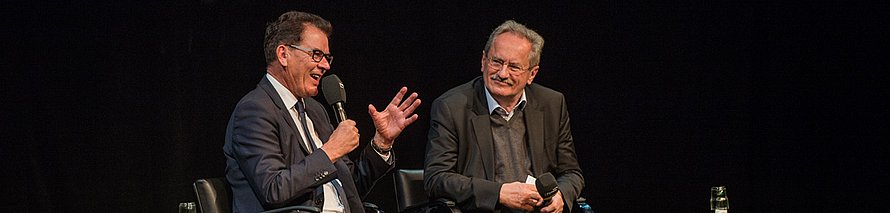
324 64
503 72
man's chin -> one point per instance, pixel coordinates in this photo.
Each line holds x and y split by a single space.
500 92
308 93
501 87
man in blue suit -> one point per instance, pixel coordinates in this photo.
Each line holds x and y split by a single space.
281 149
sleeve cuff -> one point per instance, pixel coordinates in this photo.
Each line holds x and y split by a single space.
385 154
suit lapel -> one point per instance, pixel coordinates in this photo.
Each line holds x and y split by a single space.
534 127
284 114
319 118
534 122
482 128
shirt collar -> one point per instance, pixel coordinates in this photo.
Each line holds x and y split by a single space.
286 96
492 104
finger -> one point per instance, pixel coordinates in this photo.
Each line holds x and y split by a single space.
411 119
408 102
555 207
413 107
534 202
348 122
549 208
537 197
398 99
524 205
372 110
527 207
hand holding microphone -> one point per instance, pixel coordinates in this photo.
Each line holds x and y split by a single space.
343 140
517 195
345 137
546 185
549 191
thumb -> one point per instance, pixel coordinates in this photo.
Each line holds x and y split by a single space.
372 110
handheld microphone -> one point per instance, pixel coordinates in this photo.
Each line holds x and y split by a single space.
335 94
546 185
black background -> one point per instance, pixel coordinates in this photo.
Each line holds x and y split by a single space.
119 106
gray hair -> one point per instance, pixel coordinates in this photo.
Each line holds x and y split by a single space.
511 26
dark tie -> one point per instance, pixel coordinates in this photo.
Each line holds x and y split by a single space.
311 144
501 112
302 110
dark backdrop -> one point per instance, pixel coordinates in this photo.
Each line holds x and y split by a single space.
119 106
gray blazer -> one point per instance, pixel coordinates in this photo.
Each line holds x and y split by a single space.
268 167
460 159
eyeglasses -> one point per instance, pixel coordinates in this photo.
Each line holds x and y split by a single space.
317 55
499 64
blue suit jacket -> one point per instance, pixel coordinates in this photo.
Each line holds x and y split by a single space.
268 166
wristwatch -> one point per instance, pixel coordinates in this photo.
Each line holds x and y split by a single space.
379 149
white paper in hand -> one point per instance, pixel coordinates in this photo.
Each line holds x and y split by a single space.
530 180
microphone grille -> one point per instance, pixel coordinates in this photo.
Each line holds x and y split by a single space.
333 89
546 183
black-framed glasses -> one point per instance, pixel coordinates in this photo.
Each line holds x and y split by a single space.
499 64
317 55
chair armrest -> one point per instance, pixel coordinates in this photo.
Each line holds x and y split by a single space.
371 208
443 205
295 209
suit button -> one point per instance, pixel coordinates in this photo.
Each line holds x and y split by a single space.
325 173
317 201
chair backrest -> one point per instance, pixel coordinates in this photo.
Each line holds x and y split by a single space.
409 189
214 195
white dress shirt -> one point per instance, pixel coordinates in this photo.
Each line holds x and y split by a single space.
332 202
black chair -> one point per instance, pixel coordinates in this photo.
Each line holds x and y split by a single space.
214 196
411 197
409 189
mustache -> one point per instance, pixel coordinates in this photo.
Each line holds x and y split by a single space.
495 77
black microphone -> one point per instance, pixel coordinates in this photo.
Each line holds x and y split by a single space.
335 93
547 187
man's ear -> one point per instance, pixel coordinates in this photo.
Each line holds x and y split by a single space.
534 72
281 55
482 65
